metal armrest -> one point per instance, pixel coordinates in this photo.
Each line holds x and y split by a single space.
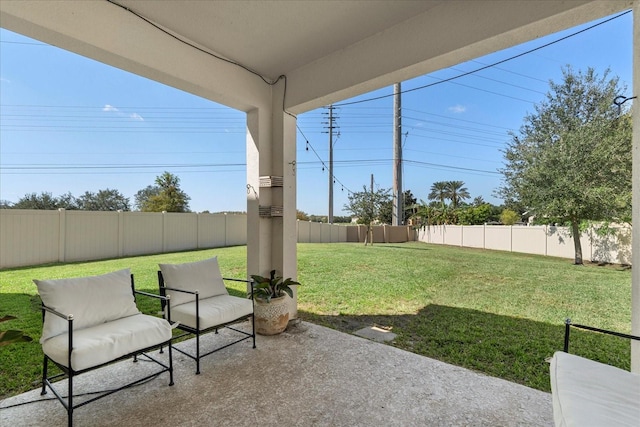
250 281
237 280
162 297
57 313
567 330
180 290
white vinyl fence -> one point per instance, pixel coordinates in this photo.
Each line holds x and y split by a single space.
541 240
33 237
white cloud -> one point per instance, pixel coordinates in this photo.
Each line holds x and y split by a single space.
134 116
458 109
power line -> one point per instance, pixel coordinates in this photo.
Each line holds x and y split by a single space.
492 64
452 156
116 166
369 162
456 119
488 132
511 72
458 168
455 141
502 82
126 172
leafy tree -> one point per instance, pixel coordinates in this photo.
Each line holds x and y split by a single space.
342 219
366 206
386 209
302 216
509 217
474 215
67 201
571 160
409 204
433 214
5 204
170 198
142 196
478 201
438 191
456 192
42 201
103 200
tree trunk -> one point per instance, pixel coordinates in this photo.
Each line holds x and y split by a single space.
575 231
366 237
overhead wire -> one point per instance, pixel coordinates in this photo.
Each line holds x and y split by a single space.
502 82
493 64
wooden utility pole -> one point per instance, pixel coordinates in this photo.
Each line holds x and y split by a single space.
397 214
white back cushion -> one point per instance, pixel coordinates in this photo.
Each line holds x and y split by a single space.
92 300
202 276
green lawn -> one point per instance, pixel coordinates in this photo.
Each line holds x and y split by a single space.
494 312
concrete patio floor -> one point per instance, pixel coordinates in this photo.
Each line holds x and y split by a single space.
307 376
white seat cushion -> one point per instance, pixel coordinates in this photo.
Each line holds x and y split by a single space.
213 311
92 300
106 342
589 393
202 276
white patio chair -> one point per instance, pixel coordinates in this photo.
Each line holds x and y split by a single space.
200 303
90 322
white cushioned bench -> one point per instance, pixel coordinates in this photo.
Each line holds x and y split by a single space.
590 393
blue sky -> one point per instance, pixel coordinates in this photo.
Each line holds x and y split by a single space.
70 124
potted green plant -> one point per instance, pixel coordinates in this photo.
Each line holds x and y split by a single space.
271 308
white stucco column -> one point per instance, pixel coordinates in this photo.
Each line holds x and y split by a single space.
271 152
635 248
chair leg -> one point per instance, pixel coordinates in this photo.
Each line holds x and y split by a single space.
70 399
170 365
198 353
44 376
253 329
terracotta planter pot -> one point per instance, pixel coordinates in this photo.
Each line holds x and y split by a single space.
271 317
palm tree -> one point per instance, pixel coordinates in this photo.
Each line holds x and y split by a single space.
438 192
456 192
478 201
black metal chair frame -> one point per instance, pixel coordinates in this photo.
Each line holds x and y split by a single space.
197 331
70 373
567 331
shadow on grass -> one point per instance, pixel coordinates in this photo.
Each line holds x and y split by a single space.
511 348
21 362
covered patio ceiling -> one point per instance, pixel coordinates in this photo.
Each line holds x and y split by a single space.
328 50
